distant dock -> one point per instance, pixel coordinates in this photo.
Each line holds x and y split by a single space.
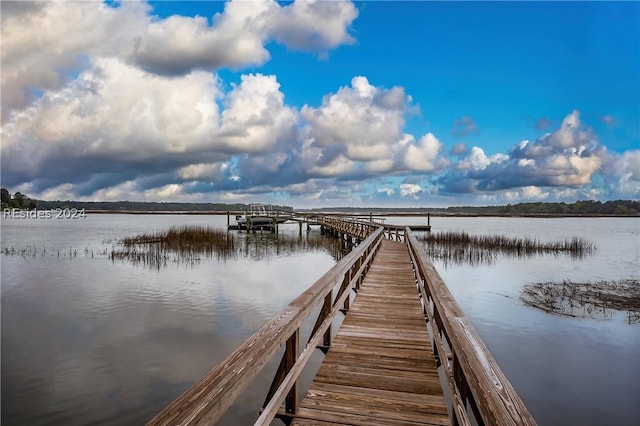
261 217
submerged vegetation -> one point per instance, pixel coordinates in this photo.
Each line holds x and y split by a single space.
461 247
32 251
591 299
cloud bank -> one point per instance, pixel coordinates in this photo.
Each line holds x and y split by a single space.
114 103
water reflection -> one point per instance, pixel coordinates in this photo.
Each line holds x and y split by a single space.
258 246
88 340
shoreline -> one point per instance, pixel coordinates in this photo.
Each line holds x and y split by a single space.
360 214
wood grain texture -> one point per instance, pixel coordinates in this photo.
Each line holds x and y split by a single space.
380 369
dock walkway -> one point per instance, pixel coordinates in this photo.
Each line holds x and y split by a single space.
380 369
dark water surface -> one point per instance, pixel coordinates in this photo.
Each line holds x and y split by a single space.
89 341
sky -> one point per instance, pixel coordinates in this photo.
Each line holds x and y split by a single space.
321 103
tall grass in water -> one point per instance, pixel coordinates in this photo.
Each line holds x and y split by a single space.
189 238
460 247
178 244
188 244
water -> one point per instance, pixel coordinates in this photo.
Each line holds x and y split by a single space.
89 341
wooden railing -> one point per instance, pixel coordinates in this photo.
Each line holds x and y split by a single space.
472 374
395 233
357 228
208 399
361 228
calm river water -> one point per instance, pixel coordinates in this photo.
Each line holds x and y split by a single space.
86 340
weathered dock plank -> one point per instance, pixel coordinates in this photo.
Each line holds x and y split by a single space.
380 369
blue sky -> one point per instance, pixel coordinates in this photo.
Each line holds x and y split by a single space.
322 103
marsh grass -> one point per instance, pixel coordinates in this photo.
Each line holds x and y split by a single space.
196 239
461 247
190 244
185 244
587 299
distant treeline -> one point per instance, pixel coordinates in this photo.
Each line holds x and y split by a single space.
17 200
149 206
21 201
618 208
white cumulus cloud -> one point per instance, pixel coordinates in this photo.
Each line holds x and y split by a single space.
478 160
363 122
255 118
113 112
410 190
209 172
622 174
45 43
425 156
115 123
314 25
569 156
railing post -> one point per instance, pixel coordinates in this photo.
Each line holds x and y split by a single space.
345 284
291 356
358 266
326 311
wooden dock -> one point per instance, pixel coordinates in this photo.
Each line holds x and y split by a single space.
380 369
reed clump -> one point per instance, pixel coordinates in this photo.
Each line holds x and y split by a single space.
461 247
189 238
586 299
189 244
178 244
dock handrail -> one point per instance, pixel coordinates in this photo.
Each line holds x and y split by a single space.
360 228
471 371
355 227
395 232
208 398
